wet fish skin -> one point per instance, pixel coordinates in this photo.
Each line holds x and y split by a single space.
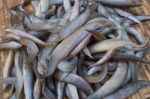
60 89
8 80
80 46
71 91
127 15
119 3
42 27
128 89
109 44
74 24
67 66
11 45
105 58
128 58
71 41
24 34
75 80
19 74
112 84
47 93
42 7
32 49
87 52
27 78
75 10
139 17
67 5
37 89
8 65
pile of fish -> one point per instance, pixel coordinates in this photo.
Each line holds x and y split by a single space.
73 49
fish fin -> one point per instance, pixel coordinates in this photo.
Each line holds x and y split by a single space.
87 52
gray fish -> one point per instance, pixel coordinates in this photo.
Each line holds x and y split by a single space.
112 84
27 79
75 80
120 3
8 65
128 90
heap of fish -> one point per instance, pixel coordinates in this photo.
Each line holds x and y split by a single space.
73 49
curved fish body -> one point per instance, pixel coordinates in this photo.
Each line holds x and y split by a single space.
128 90
112 84
119 3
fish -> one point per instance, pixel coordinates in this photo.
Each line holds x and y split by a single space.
82 94
128 58
60 89
60 11
42 27
87 52
99 68
67 5
17 13
73 49
107 45
91 78
11 37
50 11
127 15
111 11
65 19
138 17
107 30
43 59
71 41
112 84
37 89
33 19
19 74
120 3
75 10
32 49
50 83
8 65
71 88
104 59
67 66
42 7
8 80
112 66
47 93
80 46
58 1
12 96
129 75
74 79
27 78
97 35
40 35
74 24
24 34
12 45
103 11
128 89
136 34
